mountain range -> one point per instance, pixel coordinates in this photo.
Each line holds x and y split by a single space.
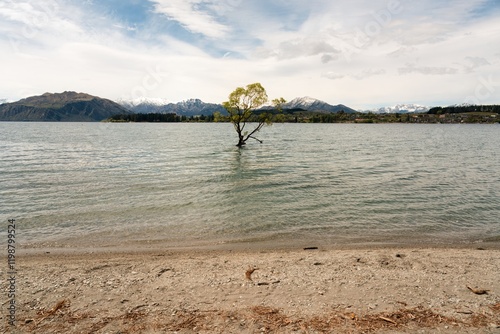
193 107
72 106
401 109
63 107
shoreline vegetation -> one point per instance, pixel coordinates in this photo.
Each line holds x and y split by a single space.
447 115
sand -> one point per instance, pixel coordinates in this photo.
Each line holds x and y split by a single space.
365 290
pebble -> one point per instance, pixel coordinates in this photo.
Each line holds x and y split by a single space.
361 281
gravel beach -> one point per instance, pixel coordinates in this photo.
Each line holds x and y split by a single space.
305 290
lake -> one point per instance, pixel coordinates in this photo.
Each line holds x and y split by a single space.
187 183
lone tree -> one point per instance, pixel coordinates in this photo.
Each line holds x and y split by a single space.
241 106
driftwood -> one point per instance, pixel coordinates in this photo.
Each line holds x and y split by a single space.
60 304
388 320
249 272
478 291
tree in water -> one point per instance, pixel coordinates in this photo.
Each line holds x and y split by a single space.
241 108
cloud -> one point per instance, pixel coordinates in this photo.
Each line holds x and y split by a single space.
332 50
305 47
195 15
427 70
364 74
332 75
328 57
369 73
36 22
474 62
403 51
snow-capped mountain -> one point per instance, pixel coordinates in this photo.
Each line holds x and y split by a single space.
401 109
463 104
144 104
311 104
304 102
191 107
2 101
158 101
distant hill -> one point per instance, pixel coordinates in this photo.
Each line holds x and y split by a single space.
62 107
465 108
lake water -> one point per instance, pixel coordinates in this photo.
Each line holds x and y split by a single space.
99 183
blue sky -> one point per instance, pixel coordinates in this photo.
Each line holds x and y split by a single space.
362 53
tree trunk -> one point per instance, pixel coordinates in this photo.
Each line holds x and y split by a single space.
241 142
241 138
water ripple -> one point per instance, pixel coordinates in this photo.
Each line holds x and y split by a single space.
334 182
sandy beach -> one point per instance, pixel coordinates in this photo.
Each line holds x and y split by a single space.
365 290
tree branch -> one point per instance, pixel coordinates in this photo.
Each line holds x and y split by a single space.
260 141
257 128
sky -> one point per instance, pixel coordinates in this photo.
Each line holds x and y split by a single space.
362 53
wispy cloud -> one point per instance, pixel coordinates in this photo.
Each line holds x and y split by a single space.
429 70
196 16
332 75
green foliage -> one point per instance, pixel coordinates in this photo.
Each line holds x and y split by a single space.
278 104
465 109
151 117
241 109
218 117
159 117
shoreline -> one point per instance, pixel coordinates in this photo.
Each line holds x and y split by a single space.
69 246
354 289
